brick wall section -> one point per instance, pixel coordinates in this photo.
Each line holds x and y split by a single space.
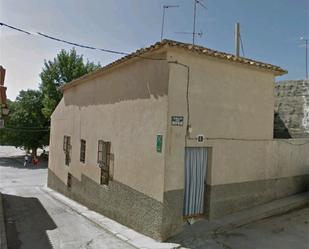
292 109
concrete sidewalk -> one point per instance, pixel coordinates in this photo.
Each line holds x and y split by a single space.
122 232
205 230
200 229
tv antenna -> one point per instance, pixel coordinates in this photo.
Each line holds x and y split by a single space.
163 16
200 34
201 4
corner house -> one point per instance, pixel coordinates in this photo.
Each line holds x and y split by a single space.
170 132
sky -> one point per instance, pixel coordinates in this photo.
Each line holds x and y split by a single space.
270 30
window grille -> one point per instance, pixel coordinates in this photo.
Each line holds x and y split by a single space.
82 150
103 160
67 149
69 181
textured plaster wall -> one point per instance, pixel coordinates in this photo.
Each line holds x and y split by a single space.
243 161
126 106
226 100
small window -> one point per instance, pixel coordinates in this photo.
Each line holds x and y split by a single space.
100 150
67 149
69 181
103 160
82 150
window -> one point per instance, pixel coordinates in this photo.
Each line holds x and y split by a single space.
82 151
103 160
69 181
66 149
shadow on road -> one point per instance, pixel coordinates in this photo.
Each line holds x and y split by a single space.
18 162
26 223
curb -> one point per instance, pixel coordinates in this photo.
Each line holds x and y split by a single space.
120 231
268 210
210 229
3 242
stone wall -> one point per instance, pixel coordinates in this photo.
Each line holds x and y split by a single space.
292 109
126 205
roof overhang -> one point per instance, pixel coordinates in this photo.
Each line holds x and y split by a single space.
149 52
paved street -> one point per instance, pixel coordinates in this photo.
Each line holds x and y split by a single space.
34 220
287 231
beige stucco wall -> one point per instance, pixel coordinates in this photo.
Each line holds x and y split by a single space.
242 161
226 100
127 106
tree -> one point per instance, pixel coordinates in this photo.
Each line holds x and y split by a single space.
65 67
26 126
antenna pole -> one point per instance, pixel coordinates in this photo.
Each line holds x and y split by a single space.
163 18
194 21
306 55
237 39
306 42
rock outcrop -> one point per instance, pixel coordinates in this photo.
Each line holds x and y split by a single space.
291 109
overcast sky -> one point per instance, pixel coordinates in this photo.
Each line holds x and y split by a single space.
271 31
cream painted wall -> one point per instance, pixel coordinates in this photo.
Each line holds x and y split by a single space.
132 103
127 106
226 100
241 161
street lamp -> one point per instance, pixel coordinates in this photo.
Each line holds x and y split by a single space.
163 16
5 111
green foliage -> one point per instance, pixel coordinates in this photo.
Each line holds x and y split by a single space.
30 113
66 67
23 124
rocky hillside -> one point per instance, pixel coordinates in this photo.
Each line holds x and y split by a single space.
292 109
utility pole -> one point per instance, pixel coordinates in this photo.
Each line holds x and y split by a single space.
237 39
306 55
163 16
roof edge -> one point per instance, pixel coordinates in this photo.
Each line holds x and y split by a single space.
141 53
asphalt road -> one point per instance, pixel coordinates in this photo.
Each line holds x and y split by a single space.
34 220
287 231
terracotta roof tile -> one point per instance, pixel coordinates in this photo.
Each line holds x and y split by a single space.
196 49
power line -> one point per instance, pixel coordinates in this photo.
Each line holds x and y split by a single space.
17 29
75 43
80 45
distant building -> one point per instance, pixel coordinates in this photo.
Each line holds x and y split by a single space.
170 132
292 109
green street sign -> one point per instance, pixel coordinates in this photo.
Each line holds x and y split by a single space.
159 143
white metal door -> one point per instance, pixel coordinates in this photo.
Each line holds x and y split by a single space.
195 176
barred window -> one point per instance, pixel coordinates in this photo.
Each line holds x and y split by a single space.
69 181
103 160
67 149
82 150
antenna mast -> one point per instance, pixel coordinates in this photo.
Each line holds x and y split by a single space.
237 39
306 55
194 17
163 16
